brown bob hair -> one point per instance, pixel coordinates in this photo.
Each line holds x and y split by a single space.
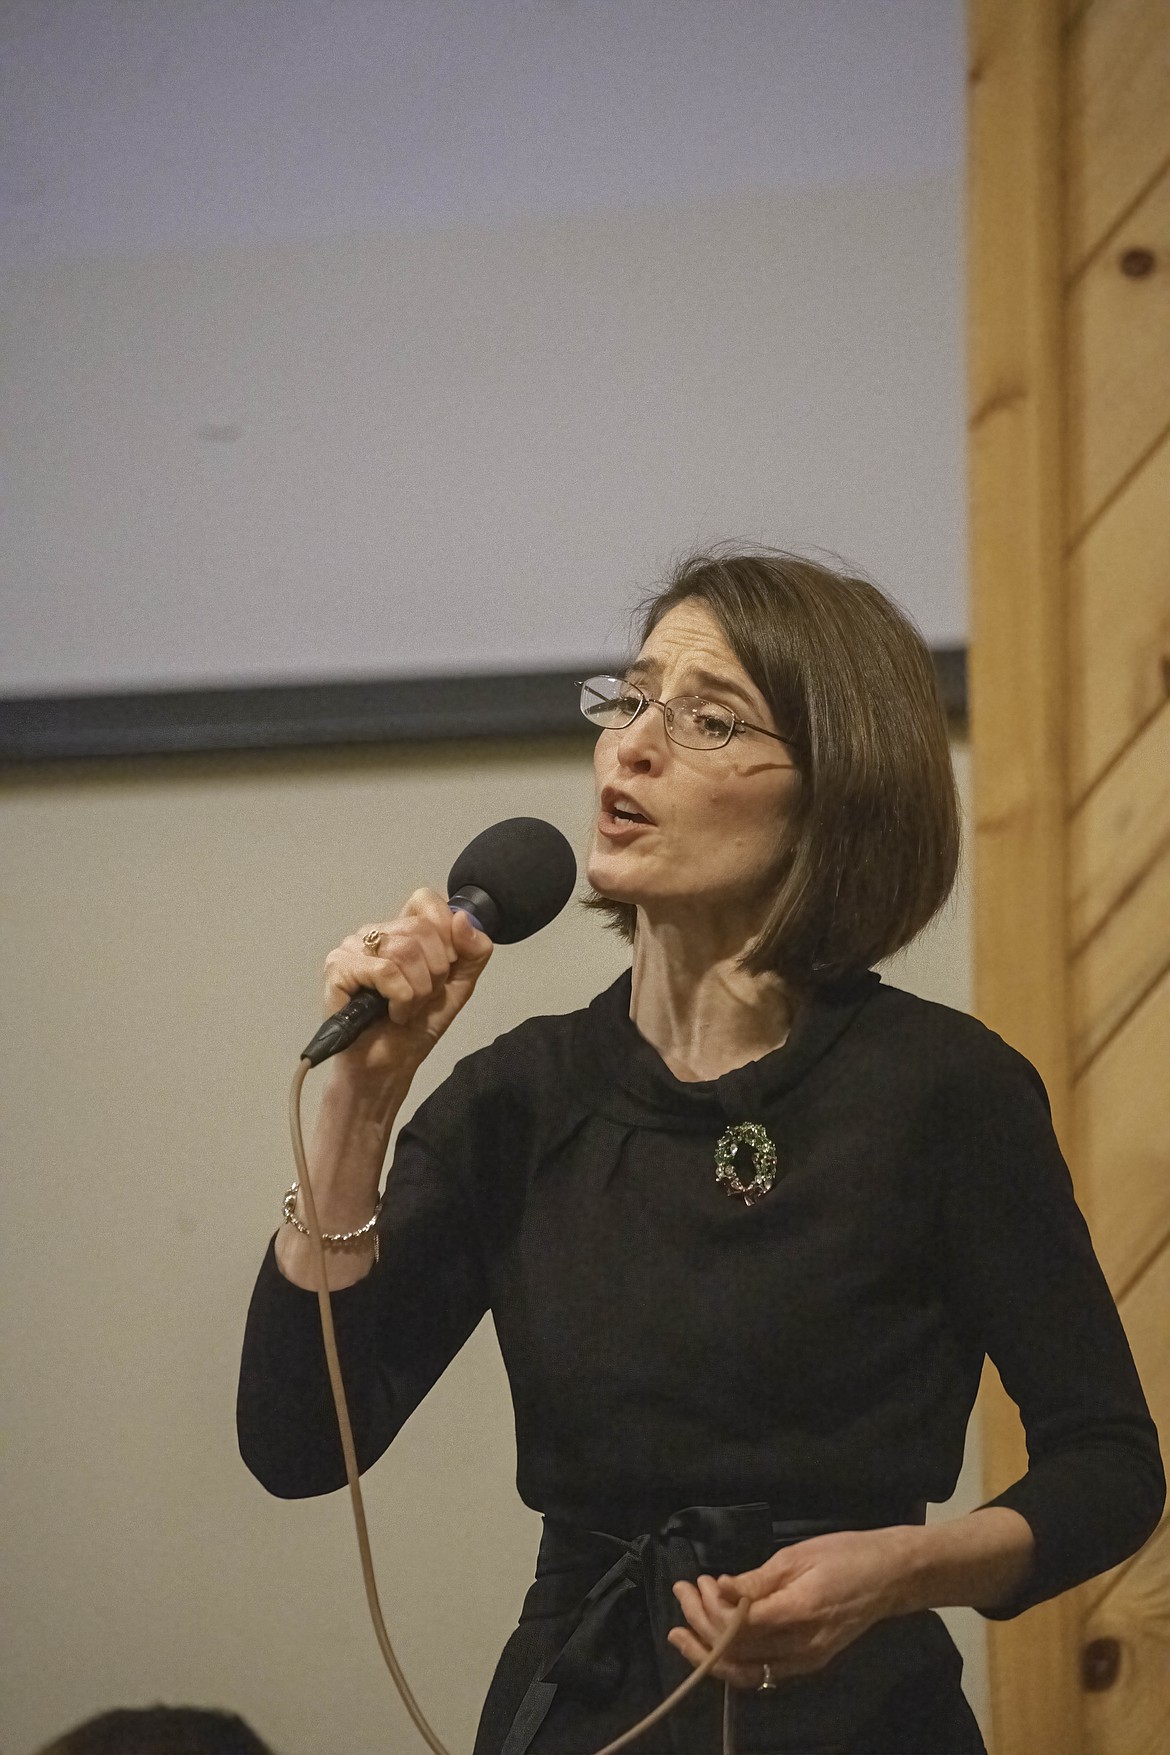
870 850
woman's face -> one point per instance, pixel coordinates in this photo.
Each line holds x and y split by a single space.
712 816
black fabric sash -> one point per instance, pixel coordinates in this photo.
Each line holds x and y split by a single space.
637 1575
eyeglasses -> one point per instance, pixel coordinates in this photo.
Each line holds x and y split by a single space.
613 702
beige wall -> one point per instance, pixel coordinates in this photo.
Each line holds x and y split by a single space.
163 930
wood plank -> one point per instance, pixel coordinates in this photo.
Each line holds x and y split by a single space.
1144 1313
1027 1715
1119 623
1016 674
1118 113
1122 1109
1120 829
1132 1717
1121 963
1119 359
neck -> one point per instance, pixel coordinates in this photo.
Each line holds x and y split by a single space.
703 1014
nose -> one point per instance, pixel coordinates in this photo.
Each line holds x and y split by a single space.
643 742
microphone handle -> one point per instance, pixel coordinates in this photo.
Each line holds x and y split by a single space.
366 1006
345 1026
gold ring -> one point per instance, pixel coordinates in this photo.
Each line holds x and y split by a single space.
768 1682
373 939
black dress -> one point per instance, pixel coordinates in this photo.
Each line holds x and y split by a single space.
697 1380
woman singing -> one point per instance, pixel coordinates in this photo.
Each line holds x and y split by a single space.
747 1224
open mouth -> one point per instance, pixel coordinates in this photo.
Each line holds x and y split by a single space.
619 809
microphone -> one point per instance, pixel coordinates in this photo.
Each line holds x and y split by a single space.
511 880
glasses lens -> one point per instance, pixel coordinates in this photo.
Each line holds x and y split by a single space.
608 702
699 724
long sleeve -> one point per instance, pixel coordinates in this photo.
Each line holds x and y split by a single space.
397 1330
1026 1285
667 1346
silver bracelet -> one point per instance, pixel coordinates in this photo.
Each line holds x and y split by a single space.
332 1239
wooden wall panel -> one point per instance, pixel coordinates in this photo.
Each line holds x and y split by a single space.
1130 1629
1017 588
1122 1126
1119 623
1017 682
1120 964
1120 830
1125 1635
1143 1311
1118 80
1119 357
1070 685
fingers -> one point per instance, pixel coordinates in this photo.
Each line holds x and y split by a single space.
708 1616
407 967
706 1611
421 946
421 906
409 959
431 904
474 946
762 1581
709 1608
454 926
346 974
739 1674
743 1666
792 1646
744 1672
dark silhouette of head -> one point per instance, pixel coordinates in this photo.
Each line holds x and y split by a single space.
160 1730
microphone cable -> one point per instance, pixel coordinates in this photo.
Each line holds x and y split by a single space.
349 1452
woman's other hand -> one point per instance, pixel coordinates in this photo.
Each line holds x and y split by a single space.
808 1602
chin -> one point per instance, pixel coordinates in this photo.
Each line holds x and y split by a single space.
606 878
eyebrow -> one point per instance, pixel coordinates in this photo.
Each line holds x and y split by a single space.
722 684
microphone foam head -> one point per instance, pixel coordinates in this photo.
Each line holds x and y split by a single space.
528 869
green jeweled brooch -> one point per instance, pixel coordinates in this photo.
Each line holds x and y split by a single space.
752 1135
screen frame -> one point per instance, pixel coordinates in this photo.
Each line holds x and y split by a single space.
377 710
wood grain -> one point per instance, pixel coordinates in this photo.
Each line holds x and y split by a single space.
1119 359
1143 1311
1074 11
1117 114
1133 1716
1120 830
1070 472
1016 677
1122 1109
1120 964
1119 623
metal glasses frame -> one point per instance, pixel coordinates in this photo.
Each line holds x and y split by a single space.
738 724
